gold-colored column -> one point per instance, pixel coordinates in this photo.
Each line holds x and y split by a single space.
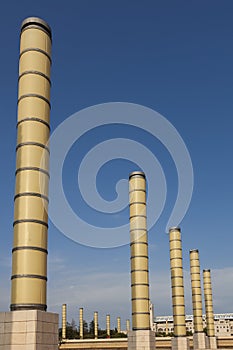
118 325
208 303
64 321
139 252
81 323
108 325
196 290
29 254
96 325
177 282
127 325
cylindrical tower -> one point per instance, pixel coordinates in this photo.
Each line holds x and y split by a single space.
139 252
208 303
96 325
29 254
196 290
64 321
118 325
177 282
128 325
108 325
81 323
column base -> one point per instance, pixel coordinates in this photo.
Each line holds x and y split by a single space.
199 341
180 343
28 330
212 342
141 340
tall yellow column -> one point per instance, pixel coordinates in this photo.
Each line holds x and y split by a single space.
108 325
177 285
199 335
209 308
118 325
64 321
29 254
81 323
96 325
127 325
139 252
141 332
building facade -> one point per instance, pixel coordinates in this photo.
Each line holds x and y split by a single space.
223 324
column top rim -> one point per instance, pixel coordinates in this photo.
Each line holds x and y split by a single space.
137 173
36 21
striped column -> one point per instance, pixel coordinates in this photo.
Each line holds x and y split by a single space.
208 303
196 290
139 252
29 254
108 325
177 282
118 325
199 337
96 325
64 321
81 323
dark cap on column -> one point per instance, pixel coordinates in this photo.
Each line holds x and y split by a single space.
36 22
137 173
174 228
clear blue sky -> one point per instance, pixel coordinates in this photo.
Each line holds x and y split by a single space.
172 56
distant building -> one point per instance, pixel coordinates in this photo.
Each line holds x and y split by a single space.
223 324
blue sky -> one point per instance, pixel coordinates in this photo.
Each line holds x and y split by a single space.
174 57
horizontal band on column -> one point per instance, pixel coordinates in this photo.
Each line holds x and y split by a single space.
139 284
172 249
180 276
140 299
33 194
132 243
139 256
30 248
139 270
137 190
14 307
140 313
180 336
29 276
37 50
132 203
36 73
175 315
175 240
34 95
178 296
33 119
141 328
32 144
179 305
32 168
178 286
44 223
138 229
137 216
177 258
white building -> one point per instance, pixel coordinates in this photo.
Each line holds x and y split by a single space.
223 324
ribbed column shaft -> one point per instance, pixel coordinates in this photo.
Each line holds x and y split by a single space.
127 325
108 325
96 324
81 323
196 290
118 325
208 303
64 321
139 252
29 254
177 283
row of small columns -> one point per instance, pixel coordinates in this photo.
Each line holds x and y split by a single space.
64 323
199 339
